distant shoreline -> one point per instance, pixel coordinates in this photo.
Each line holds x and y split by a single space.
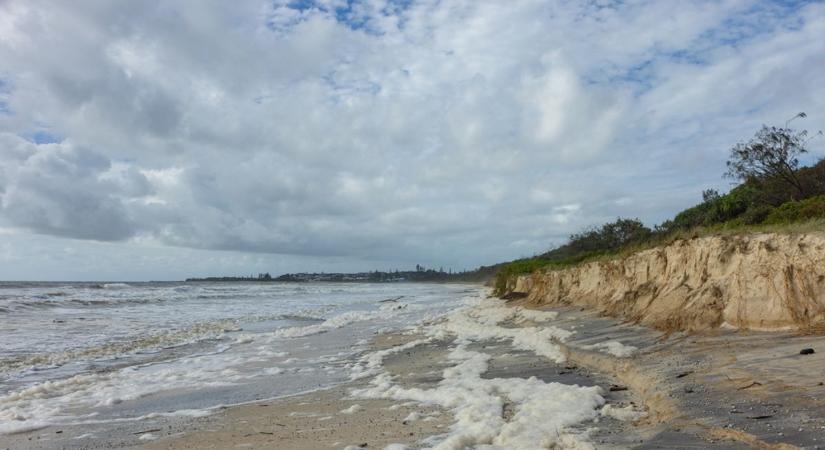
481 274
246 280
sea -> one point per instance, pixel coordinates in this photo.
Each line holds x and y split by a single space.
94 353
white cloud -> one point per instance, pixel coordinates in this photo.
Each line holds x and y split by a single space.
459 130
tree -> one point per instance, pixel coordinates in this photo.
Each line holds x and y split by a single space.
710 195
772 155
610 236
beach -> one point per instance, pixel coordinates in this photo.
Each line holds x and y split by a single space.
491 374
113 359
722 390
719 390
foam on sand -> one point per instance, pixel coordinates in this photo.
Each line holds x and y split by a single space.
352 409
623 413
543 414
614 348
482 320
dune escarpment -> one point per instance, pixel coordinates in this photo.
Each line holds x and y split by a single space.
760 281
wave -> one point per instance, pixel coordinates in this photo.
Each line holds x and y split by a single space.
300 318
113 294
113 286
146 344
57 402
54 301
386 311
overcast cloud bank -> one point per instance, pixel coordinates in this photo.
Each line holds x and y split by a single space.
374 134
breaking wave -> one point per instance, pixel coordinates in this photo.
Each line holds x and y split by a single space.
155 342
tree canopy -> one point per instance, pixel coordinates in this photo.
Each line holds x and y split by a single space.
773 154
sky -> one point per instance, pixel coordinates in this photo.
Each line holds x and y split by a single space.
157 140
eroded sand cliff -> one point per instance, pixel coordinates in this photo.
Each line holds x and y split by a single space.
758 281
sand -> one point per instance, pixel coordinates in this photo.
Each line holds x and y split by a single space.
324 419
714 389
761 281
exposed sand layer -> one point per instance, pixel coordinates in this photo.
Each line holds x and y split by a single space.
756 282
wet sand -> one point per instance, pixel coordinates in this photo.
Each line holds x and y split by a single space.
720 389
324 419
315 420
716 389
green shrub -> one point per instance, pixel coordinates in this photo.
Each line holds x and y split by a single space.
790 212
716 209
755 215
595 240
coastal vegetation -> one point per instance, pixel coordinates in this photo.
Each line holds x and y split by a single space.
774 193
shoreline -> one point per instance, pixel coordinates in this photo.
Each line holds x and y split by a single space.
325 418
713 389
335 418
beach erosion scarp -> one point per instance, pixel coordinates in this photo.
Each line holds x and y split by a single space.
738 360
764 281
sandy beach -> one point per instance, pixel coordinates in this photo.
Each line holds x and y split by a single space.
712 390
329 418
720 389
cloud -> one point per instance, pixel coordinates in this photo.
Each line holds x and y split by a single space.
401 131
67 191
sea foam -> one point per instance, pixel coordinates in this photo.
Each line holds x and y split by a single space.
544 414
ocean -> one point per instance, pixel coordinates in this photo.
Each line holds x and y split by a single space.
75 353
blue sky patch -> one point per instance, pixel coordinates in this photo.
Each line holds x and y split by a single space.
43 137
354 14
